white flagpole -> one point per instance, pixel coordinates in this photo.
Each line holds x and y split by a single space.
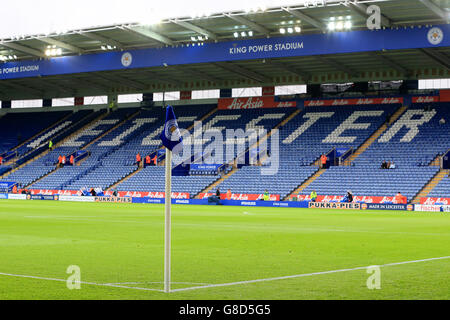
167 223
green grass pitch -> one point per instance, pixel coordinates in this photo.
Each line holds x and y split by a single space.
122 245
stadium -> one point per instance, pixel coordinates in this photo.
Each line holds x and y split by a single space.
281 150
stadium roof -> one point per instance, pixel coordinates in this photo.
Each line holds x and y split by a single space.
312 19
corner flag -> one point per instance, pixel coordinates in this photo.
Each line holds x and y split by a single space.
172 140
171 136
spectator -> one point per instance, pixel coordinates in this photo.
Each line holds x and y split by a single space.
147 161
313 196
72 160
60 161
349 196
63 162
388 118
1 160
215 198
155 160
323 161
400 199
50 145
384 165
388 165
442 121
393 166
138 159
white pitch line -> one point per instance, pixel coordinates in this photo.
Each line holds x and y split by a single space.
225 284
81 282
303 275
157 282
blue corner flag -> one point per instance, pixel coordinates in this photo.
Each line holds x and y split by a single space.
171 136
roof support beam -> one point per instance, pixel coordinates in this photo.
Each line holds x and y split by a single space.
390 62
293 70
361 9
437 57
252 25
195 28
19 87
147 33
157 77
57 87
242 72
435 9
337 65
199 74
121 80
83 82
24 49
102 39
61 44
298 14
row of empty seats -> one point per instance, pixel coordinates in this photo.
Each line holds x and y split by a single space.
412 142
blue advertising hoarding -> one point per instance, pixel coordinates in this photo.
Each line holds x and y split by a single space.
264 48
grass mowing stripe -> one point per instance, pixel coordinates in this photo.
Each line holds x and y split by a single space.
117 285
304 275
81 282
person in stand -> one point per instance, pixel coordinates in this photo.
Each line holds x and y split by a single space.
138 159
155 160
50 145
59 161
63 163
313 196
147 161
400 199
388 165
384 165
350 196
323 161
1 160
71 160
215 198
266 196
393 166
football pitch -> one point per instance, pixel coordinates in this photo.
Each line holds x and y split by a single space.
221 252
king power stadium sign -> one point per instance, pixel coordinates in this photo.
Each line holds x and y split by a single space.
264 48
